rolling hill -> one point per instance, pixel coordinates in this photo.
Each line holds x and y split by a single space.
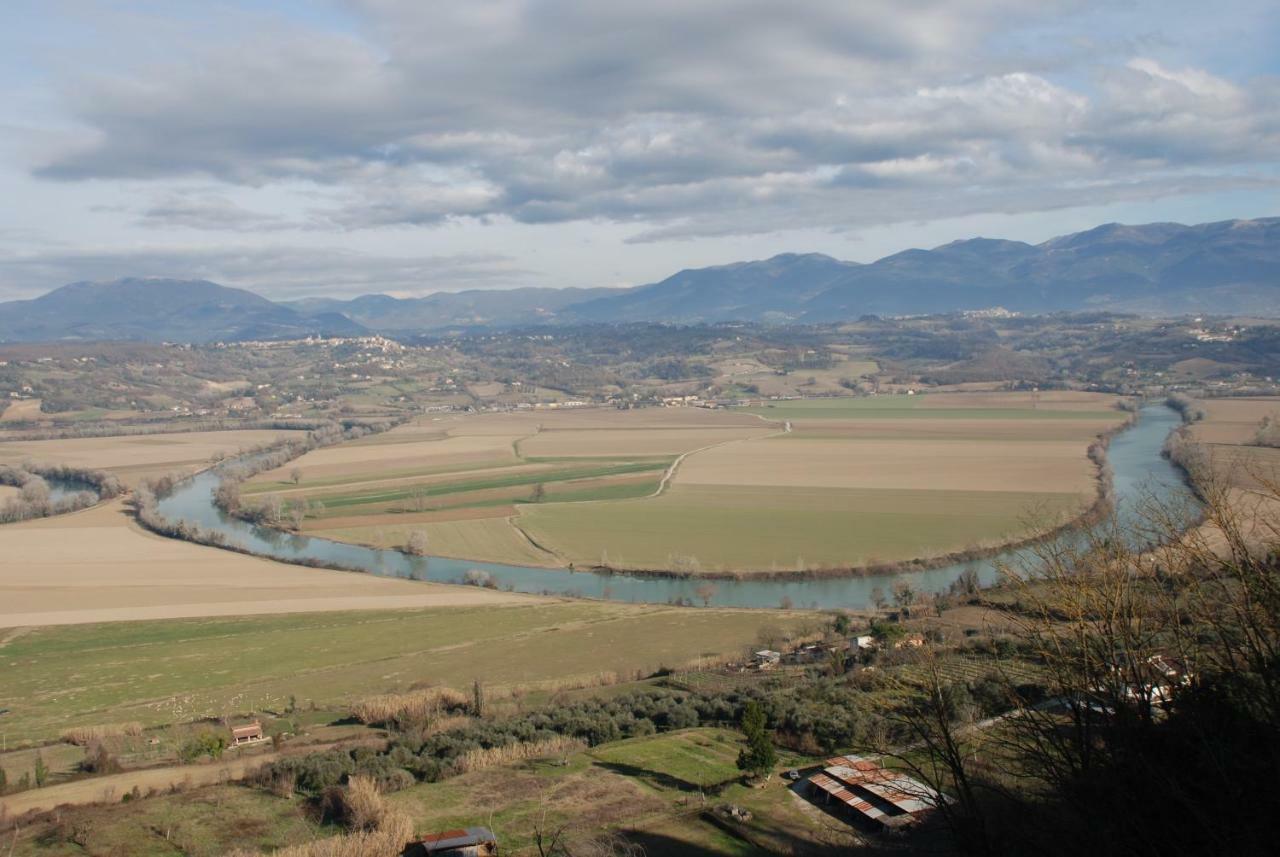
155 310
1229 267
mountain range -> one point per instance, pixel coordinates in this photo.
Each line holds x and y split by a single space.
1228 267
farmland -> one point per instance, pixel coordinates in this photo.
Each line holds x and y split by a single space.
99 566
637 786
134 458
178 670
463 479
854 482
783 486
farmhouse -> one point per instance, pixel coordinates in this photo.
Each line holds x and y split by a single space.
246 734
865 791
468 842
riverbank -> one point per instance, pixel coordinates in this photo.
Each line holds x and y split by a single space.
1134 457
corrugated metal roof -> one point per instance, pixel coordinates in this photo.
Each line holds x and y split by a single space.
459 838
857 774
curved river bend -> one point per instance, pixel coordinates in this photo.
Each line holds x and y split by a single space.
1140 471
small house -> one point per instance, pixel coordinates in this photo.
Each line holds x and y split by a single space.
463 842
865 642
246 734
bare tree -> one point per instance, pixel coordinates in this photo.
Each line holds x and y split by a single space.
417 543
295 475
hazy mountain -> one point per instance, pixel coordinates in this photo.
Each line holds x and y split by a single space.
1227 267
454 309
1158 268
774 289
156 309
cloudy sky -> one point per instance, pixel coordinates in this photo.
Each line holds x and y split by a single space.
337 147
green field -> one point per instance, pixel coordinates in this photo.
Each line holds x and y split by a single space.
690 759
784 528
171 671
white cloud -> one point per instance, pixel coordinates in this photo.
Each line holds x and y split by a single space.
679 120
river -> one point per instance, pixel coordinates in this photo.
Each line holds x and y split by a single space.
1139 471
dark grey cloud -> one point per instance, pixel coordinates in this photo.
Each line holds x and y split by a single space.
692 119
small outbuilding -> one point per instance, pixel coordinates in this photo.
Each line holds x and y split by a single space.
766 658
462 842
246 734
865 791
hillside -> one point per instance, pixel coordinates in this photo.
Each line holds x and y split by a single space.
474 307
159 309
1161 268
1230 267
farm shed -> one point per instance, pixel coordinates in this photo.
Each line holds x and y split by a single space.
463 842
246 734
870 792
766 658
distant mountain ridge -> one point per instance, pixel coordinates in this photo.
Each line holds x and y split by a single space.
475 307
1228 267
160 310
1161 268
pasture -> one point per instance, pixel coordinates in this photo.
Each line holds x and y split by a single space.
690 759
179 670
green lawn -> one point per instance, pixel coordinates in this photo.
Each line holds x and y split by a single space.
692 758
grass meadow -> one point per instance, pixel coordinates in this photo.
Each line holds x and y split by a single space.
178 670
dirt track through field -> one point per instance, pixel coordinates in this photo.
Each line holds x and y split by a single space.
675 465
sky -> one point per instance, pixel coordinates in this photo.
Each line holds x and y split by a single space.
343 147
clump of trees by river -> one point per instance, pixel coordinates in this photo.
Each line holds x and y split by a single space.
36 497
